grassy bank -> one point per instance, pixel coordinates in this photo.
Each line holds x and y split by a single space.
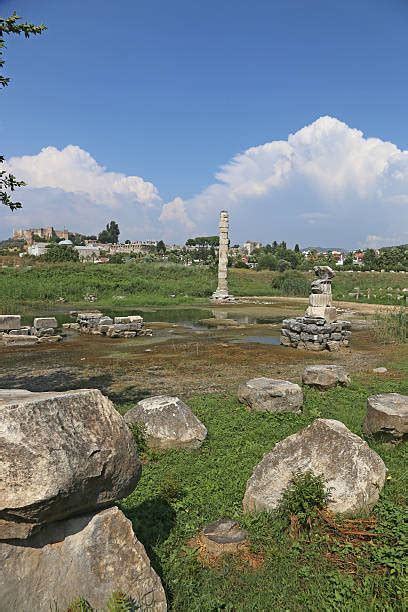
181 491
153 284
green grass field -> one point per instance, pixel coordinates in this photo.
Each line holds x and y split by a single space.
153 284
182 491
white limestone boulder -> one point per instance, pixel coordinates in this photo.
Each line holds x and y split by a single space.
168 423
271 395
60 454
89 556
350 468
8 322
387 416
45 323
325 376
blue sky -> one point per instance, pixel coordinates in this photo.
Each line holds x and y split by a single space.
172 91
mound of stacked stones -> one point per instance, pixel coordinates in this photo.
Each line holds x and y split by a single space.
43 330
98 324
65 458
318 329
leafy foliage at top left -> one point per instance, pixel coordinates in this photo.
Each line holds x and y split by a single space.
12 25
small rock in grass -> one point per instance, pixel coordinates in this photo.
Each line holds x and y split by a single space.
271 395
325 376
387 416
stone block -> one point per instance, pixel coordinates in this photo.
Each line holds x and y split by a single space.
387 416
8 322
271 395
325 376
45 322
21 341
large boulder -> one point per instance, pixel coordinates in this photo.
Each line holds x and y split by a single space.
325 376
8 322
350 468
168 423
387 416
60 454
270 395
89 556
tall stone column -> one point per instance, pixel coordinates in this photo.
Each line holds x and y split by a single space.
222 289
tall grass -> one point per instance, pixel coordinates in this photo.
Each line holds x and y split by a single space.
392 326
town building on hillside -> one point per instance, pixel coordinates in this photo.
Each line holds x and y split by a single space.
37 249
47 233
250 246
90 251
140 246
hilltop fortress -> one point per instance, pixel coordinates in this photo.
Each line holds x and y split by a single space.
42 232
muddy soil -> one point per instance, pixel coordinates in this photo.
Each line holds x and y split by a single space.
183 357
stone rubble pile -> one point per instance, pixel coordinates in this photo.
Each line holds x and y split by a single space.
315 334
66 458
43 330
318 329
98 324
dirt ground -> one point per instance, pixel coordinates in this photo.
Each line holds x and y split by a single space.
181 359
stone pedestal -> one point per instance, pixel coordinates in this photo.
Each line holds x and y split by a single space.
319 329
315 334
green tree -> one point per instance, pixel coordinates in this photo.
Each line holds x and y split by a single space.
110 234
8 26
59 253
161 247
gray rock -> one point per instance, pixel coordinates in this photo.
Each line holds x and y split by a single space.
387 415
8 322
21 341
45 322
270 395
325 376
168 423
223 536
380 370
353 471
89 556
60 454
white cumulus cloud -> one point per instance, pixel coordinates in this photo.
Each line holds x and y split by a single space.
327 184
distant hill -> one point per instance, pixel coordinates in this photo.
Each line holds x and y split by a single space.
324 249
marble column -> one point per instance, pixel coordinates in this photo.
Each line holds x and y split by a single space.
222 289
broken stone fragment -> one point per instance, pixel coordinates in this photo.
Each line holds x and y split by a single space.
62 454
168 423
45 322
90 556
8 322
325 376
387 416
271 395
353 473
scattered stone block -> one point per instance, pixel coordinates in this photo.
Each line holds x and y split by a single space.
8 322
24 331
387 416
49 339
168 423
350 468
62 454
325 376
271 395
19 341
45 322
91 556
223 537
380 370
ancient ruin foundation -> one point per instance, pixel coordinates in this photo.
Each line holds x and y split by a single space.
318 329
221 294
